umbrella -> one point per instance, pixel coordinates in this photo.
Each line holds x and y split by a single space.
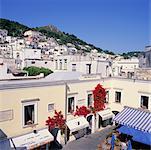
112 142
129 147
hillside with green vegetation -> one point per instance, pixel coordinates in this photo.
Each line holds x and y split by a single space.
17 30
14 28
131 54
64 38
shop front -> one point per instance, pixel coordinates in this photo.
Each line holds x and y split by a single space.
38 139
105 118
135 123
90 120
77 127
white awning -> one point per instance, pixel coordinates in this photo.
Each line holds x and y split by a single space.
33 140
77 124
106 114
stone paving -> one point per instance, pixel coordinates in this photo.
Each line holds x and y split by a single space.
89 142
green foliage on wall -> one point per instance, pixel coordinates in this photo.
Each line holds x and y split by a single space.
34 71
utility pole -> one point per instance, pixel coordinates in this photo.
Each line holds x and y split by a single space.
66 92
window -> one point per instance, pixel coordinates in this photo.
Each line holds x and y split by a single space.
56 64
70 104
33 62
144 102
17 55
117 97
107 97
88 68
46 62
73 67
29 113
51 107
90 100
65 64
60 64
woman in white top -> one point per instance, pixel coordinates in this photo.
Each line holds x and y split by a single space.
123 146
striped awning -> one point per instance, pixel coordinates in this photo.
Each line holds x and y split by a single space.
135 118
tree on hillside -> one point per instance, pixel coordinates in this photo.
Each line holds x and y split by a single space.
13 28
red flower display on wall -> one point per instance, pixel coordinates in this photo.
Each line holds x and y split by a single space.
82 111
99 95
56 121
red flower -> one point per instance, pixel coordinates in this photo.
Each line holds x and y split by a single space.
99 95
82 111
56 121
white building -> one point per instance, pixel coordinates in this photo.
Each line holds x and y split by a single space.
17 44
6 50
84 64
26 54
32 38
32 33
3 34
9 39
59 50
40 63
3 69
145 58
125 67
6 65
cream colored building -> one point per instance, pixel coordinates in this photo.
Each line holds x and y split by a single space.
44 96
13 102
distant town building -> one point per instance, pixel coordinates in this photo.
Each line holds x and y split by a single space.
26 54
83 64
145 58
3 34
125 67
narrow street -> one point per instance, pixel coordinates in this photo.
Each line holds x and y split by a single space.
88 142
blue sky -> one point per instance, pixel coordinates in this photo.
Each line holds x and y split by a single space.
116 25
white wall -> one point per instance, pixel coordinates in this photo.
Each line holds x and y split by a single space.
81 62
26 54
32 53
40 63
124 65
3 69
